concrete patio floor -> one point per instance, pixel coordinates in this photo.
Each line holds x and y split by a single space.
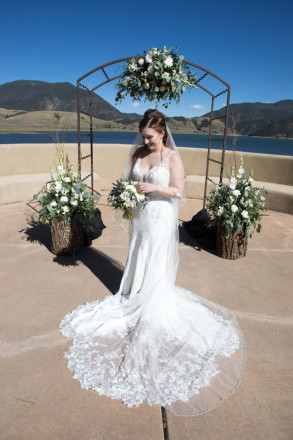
41 401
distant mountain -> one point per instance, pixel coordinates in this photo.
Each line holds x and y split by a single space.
250 118
44 96
134 116
280 128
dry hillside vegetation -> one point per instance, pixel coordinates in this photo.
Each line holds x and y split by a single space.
21 121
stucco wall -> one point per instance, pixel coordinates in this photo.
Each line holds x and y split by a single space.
28 162
109 160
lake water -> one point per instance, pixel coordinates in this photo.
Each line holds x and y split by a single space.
244 143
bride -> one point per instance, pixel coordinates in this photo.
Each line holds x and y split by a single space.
154 340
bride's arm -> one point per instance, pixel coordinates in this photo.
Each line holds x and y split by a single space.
175 190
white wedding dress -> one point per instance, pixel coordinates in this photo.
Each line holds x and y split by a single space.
154 340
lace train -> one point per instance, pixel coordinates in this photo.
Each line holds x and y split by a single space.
188 370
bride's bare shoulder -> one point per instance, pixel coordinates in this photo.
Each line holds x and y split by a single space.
175 160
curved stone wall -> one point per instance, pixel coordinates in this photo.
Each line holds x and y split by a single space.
24 166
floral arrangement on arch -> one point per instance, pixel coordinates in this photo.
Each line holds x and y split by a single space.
158 74
66 198
237 205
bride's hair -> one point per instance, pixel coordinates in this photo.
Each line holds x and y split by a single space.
155 120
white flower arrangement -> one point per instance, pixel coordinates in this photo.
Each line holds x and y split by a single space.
237 205
157 75
125 196
65 198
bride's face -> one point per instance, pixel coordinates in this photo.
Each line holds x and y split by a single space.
151 138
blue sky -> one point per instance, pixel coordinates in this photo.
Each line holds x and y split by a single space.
248 44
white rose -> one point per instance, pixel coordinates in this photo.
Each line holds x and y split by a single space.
148 59
234 208
236 192
162 89
141 61
244 214
262 198
64 199
131 188
250 180
67 179
166 75
150 69
168 62
53 203
73 202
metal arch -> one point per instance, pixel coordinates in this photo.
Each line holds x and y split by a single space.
207 73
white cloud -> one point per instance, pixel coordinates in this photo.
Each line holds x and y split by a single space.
197 106
135 104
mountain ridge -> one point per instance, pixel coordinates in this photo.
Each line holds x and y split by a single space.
24 96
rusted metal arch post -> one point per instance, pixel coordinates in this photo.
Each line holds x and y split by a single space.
207 73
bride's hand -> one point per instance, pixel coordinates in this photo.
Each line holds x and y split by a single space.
145 187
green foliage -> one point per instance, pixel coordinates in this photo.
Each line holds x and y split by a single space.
156 75
237 205
66 197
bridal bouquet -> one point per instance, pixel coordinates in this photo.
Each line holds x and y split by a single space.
237 205
125 196
66 197
157 74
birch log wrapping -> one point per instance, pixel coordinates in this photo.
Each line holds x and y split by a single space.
233 247
66 239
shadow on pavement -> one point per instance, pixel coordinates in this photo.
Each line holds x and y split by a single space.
37 232
108 270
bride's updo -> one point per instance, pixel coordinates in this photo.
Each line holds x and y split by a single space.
155 120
